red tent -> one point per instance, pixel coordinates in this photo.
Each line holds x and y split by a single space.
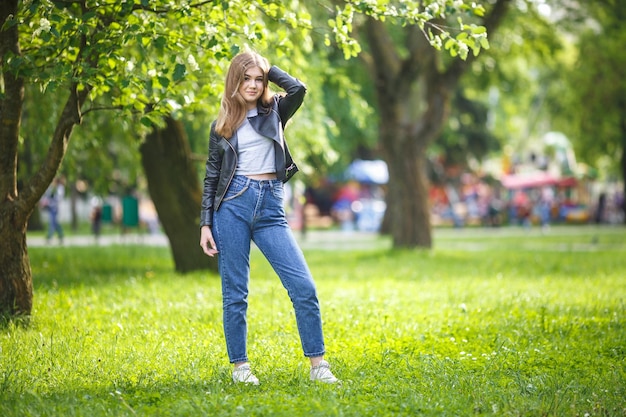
535 180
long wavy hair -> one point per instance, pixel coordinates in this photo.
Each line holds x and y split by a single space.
233 108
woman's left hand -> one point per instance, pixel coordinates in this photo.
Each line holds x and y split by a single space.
206 241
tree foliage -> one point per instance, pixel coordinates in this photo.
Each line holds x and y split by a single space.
590 101
505 92
412 86
146 60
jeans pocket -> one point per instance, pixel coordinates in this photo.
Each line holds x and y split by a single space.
235 190
278 192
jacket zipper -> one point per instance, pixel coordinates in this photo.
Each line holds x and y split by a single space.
232 175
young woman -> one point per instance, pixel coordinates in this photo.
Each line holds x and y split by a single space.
248 163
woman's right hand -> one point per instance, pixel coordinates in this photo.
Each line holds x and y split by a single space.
206 241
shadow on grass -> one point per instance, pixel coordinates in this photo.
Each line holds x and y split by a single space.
93 266
213 396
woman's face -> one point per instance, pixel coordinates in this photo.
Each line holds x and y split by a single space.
251 87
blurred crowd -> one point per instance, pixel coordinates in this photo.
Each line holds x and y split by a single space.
359 206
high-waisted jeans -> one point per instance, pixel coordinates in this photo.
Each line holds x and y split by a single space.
252 210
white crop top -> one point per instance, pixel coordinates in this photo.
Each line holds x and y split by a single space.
255 153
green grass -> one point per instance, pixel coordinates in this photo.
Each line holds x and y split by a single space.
491 322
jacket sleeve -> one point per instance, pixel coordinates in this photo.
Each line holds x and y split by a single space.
294 88
211 178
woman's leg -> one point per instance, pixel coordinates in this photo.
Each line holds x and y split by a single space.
232 235
272 235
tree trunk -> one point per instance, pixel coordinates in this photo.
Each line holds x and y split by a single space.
412 100
408 210
16 283
413 89
175 190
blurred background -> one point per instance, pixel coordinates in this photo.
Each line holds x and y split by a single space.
529 132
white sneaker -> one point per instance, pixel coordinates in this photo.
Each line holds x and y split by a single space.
322 373
243 374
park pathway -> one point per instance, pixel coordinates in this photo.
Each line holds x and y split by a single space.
560 238
326 239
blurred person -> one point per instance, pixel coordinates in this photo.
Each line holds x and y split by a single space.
248 162
51 203
546 202
342 208
494 208
599 217
620 204
96 217
523 208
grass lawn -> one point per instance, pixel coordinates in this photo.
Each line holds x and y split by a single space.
502 322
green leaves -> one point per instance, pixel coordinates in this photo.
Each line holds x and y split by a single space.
341 27
179 72
427 16
159 49
472 38
128 52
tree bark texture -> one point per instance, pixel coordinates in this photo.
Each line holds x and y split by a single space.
175 190
16 285
413 92
16 288
407 199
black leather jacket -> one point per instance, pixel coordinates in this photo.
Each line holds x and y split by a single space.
222 160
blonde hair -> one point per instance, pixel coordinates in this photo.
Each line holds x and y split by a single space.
233 108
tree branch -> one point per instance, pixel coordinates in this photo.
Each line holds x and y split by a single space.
385 63
162 11
70 117
421 54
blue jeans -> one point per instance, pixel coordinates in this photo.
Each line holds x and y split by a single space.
54 226
253 210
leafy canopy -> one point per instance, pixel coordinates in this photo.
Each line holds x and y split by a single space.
160 56
457 41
